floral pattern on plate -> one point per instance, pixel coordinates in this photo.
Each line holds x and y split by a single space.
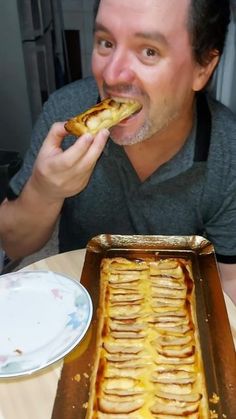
43 316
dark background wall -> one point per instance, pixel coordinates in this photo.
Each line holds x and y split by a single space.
44 44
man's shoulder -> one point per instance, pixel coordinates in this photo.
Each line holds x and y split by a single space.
76 96
81 86
222 150
223 119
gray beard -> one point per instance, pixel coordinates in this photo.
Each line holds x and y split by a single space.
146 131
142 134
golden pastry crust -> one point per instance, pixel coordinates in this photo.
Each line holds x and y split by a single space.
148 360
105 114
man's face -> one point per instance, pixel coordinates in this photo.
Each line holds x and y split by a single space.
142 51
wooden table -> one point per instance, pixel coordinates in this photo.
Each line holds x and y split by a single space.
33 397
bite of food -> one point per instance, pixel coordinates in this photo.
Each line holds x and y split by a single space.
105 114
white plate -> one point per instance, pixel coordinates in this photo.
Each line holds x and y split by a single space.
43 316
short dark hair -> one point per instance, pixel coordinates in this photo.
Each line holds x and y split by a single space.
207 24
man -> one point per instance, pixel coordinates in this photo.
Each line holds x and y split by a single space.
169 169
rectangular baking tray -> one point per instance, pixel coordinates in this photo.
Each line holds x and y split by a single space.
215 335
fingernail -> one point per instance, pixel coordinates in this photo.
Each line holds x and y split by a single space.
105 132
88 137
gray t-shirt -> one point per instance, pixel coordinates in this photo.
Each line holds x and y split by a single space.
193 193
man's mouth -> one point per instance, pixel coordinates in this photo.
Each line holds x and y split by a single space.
128 106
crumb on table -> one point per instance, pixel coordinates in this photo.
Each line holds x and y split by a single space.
214 398
77 377
213 414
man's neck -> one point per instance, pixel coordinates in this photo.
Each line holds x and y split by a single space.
146 157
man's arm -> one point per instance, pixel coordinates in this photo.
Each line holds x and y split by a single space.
228 279
28 222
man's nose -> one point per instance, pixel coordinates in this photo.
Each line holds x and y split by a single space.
118 68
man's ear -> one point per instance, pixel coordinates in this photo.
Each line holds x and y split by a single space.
205 71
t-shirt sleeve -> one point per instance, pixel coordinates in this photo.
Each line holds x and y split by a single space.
221 228
39 133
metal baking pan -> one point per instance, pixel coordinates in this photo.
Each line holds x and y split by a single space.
215 334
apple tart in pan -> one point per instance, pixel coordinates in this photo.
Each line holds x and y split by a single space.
148 360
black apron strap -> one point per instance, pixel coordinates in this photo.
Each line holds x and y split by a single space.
203 134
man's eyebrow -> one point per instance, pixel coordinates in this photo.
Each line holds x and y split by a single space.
99 27
147 35
153 36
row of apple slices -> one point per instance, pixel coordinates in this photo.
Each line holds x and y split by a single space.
125 355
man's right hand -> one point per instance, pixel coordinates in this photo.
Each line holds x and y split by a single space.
27 222
58 174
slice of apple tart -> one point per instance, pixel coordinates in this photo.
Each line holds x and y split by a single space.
148 358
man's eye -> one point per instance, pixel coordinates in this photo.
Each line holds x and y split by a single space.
103 43
102 46
149 56
150 52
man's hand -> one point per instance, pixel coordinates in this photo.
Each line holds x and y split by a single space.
58 174
27 222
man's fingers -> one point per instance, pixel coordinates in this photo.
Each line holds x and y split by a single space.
56 134
97 145
87 148
82 155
